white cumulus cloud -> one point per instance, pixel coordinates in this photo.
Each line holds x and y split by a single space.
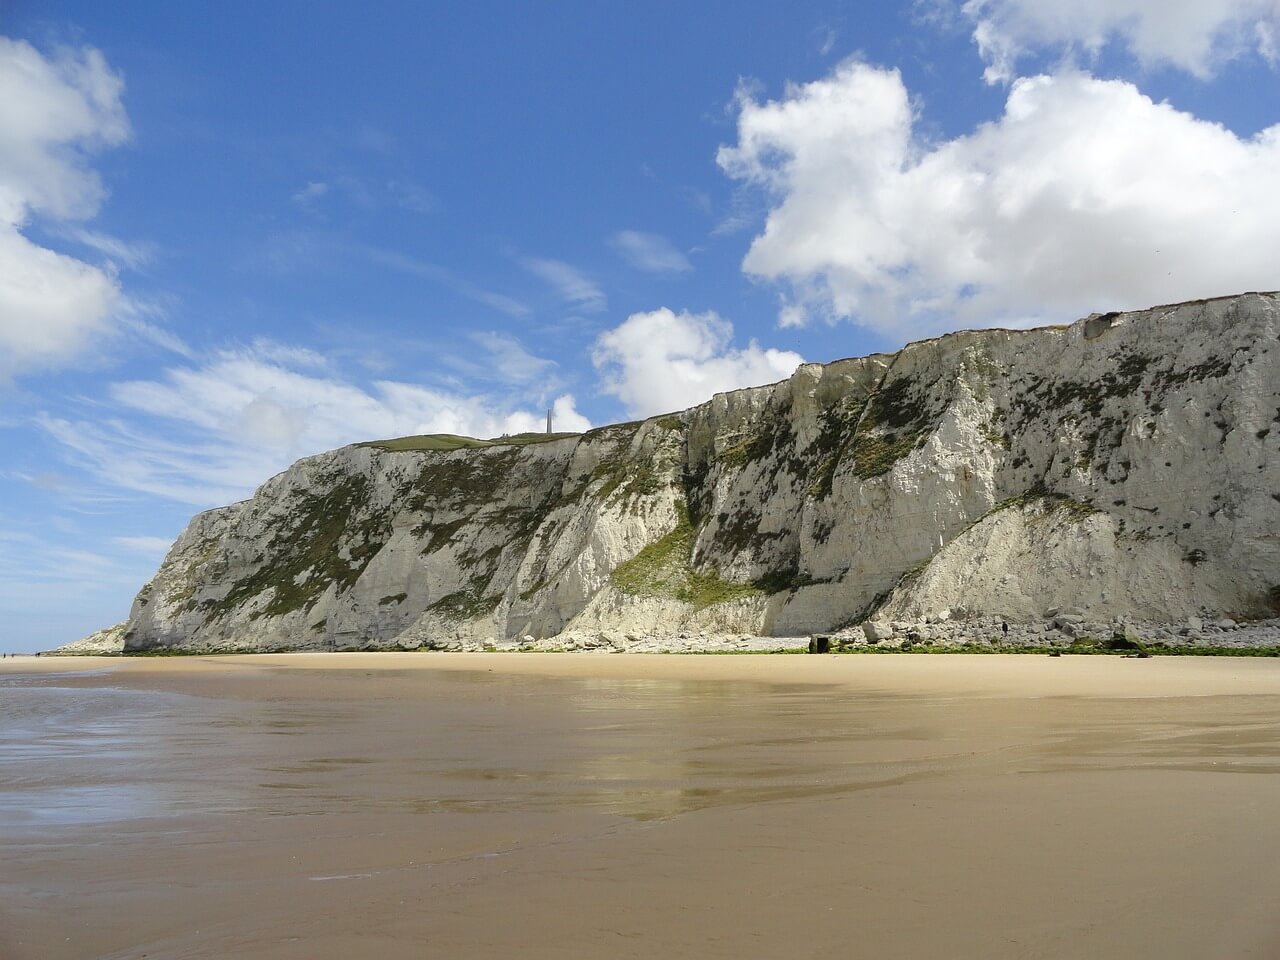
1085 195
660 361
55 112
1193 35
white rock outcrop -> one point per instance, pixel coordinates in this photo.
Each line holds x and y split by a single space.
1127 465
105 643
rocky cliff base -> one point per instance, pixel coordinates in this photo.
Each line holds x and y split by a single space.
1065 633
1061 633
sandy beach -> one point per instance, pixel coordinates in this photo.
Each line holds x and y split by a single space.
410 805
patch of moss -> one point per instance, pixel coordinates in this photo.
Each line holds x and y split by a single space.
1163 650
671 423
1210 369
874 455
779 580
626 479
461 481
698 494
896 405
837 427
895 422
183 652
1074 509
613 475
1067 397
665 569
465 487
738 454
440 535
642 481
465 605
998 438
1125 644
659 568
704 589
772 434
740 530
307 557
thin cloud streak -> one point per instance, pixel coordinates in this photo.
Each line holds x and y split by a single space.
572 284
209 433
649 252
403 263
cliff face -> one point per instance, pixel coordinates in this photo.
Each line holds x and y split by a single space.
1128 464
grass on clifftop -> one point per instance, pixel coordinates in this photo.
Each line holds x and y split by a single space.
450 441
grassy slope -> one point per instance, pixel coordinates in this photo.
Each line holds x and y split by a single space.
449 441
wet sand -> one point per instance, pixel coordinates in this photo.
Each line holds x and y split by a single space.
421 805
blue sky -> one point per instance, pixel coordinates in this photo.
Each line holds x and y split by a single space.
235 234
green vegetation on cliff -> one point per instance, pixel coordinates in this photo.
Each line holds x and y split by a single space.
665 569
309 553
449 441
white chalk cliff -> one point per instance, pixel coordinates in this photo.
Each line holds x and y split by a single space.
1125 465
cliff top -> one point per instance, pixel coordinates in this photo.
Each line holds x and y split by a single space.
451 441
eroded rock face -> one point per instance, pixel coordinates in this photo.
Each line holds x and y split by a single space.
1126 465
108 642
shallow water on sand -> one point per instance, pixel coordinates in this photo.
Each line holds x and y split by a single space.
70 756
408 813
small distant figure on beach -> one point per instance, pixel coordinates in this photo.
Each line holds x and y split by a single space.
1004 630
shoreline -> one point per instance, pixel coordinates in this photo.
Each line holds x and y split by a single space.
993 674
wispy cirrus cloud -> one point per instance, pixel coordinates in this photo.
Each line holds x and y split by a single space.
364 193
442 275
649 252
154 547
210 432
510 361
122 254
574 287
307 196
